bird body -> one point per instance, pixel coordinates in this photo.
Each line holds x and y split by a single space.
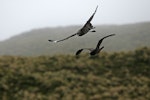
97 49
85 29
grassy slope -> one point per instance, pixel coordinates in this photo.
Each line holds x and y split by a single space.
115 76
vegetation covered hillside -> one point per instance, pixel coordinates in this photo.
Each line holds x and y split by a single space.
108 76
35 42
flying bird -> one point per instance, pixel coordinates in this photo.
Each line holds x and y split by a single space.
85 29
97 49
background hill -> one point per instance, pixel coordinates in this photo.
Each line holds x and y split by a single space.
35 42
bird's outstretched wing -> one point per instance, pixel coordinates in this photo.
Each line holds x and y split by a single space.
100 41
89 20
80 50
55 41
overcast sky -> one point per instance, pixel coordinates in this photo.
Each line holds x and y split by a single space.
17 16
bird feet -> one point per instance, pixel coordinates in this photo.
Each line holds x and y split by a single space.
93 31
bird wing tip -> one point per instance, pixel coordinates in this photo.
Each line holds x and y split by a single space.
79 51
52 41
97 6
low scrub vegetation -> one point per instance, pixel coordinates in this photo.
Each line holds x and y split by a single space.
108 76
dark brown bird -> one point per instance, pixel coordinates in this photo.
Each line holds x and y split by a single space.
85 29
97 49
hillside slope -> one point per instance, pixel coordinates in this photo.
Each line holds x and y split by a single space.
35 42
110 76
